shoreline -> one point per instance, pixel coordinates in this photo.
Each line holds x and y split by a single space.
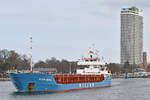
4 79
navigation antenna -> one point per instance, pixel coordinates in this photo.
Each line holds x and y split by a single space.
31 55
96 52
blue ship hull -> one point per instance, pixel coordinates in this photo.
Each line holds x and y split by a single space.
47 83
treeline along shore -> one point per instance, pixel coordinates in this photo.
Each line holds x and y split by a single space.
11 60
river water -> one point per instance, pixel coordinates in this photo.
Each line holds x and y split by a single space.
121 89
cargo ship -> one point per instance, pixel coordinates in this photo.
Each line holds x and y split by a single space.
92 73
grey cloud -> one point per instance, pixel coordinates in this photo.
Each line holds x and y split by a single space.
104 12
113 7
124 3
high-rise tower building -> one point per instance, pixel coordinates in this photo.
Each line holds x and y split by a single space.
131 35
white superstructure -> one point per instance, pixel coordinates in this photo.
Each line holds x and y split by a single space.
92 65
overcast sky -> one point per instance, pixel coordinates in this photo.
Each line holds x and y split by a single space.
65 29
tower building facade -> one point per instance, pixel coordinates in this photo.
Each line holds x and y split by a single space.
131 42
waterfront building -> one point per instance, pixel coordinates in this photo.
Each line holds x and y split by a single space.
131 41
145 61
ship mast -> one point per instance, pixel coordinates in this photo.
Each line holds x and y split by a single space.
31 55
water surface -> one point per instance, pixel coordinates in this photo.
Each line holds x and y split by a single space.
121 89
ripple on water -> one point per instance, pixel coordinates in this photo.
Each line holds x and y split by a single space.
121 89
